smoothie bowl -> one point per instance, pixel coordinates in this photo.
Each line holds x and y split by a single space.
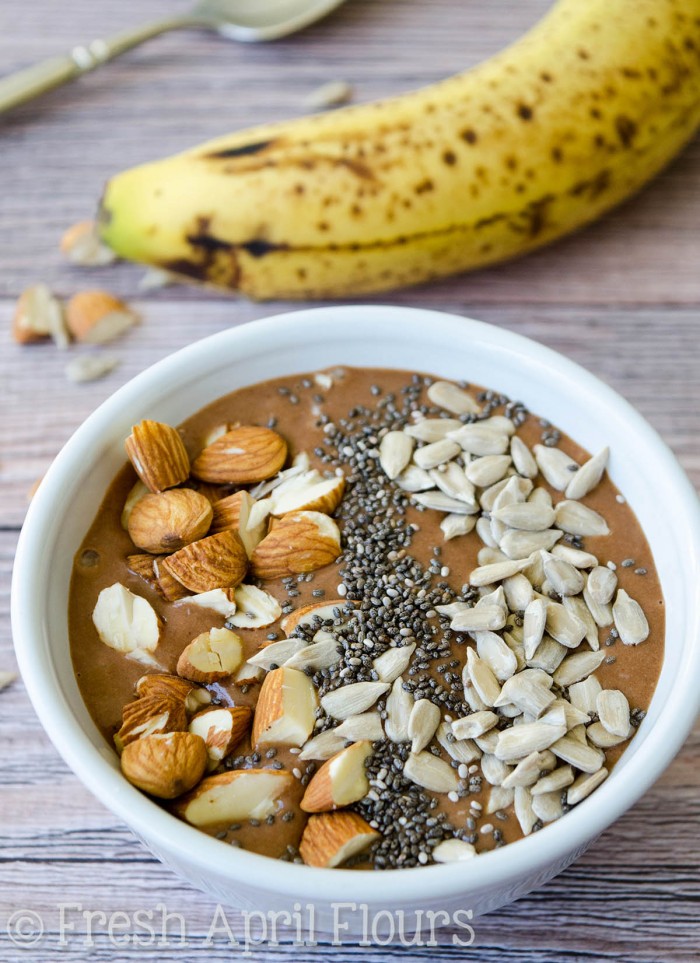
351 607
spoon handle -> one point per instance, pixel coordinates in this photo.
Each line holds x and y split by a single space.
26 84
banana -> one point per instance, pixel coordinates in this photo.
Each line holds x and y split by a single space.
486 165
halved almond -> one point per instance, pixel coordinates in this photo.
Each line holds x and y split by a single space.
169 520
168 686
212 656
255 608
286 709
38 316
169 587
306 614
222 729
340 781
242 456
234 796
309 492
96 317
165 765
235 512
217 561
149 715
124 621
330 839
158 454
299 542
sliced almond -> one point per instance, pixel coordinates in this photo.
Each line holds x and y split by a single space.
165 765
222 730
166 522
308 492
242 456
330 839
149 715
242 514
217 561
299 542
556 466
124 621
38 316
235 796
393 663
630 621
96 317
285 712
422 723
142 565
588 476
350 700
395 450
255 608
340 781
222 601
431 772
449 396
212 656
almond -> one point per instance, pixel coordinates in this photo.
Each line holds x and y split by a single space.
235 513
38 316
212 656
148 716
255 608
221 601
165 765
158 454
309 492
234 796
217 561
285 712
170 520
299 542
330 839
318 610
340 781
242 456
142 565
124 621
96 317
81 245
168 686
135 494
168 587
222 730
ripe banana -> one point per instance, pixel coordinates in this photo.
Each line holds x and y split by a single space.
489 164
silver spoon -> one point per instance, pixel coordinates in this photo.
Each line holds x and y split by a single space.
245 20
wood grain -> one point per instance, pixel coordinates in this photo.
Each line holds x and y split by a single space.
621 298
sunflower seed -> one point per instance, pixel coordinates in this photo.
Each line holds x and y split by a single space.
483 530
432 429
578 519
446 395
323 746
547 806
331 94
578 754
574 556
436 453
471 696
602 614
518 592
599 736
451 480
534 621
430 772
414 479
478 439
422 724
527 693
482 678
494 770
453 851
493 596
519 544
474 725
499 798
350 700
614 711
488 556
398 711
602 583
554 716
528 770
525 814
573 717
583 695
321 655
563 577
523 459
588 475
461 750
393 663
577 667
488 470
491 618
494 651
367 725
488 742
548 656
519 741
453 609
630 620
525 516
563 626
440 502
395 450
454 525
557 779
577 607
277 653
556 466
584 786
489 574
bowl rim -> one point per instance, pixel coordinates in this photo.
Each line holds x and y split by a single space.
191 847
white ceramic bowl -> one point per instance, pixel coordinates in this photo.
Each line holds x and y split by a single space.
452 347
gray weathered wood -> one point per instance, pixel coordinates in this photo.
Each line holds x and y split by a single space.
620 298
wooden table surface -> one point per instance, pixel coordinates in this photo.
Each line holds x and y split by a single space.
620 298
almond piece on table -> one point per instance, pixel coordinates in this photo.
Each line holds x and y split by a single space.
124 621
222 729
234 513
169 520
242 456
81 245
165 765
340 781
308 492
150 715
168 686
158 454
299 542
96 317
217 561
234 796
286 709
330 839
38 316
212 656
255 608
